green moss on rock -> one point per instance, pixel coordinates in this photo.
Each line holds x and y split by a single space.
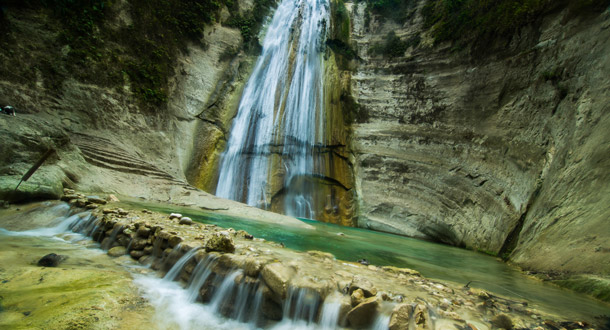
595 286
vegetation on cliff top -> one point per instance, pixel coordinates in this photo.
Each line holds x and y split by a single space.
454 19
111 43
451 20
250 22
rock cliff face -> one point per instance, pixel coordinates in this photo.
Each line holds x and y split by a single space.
503 150
135 151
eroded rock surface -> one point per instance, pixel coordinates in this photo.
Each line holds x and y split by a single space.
498 149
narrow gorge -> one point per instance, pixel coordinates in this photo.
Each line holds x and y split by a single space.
478 125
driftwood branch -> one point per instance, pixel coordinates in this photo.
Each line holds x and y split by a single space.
35 167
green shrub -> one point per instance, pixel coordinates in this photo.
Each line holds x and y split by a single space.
397 10
353 112
250 23
340 29
393 46
145 52
459 19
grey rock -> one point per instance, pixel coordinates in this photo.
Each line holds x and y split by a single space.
51 260
117 251
186 221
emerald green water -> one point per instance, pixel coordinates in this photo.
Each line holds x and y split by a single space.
432 260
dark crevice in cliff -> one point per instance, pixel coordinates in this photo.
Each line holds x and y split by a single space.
510 243
215 123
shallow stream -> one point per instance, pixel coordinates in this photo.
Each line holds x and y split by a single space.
90 288
432 260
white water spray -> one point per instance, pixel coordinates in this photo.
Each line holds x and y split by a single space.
280 119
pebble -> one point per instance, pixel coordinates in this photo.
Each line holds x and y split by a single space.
175 216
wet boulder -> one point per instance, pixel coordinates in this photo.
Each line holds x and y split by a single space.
117 251
51 260
270 308
143 231
136 254
138 243
360 283
253 266
363 314
400 317
186 221
502 321
421 317
277 276
357 297
175 240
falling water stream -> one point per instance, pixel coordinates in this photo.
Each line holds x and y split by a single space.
280 119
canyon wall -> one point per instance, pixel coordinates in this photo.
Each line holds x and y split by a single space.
105 138
502 148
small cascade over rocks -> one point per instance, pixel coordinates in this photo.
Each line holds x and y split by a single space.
263 285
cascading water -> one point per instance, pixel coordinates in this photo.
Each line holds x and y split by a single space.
280 121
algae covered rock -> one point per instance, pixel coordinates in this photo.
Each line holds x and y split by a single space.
502 321
117 251
221 242
174 240
51 260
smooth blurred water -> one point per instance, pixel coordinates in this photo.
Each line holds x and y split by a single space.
432 260
280 117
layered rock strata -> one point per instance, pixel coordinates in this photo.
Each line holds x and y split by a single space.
501 147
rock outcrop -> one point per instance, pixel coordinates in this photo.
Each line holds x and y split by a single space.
502 149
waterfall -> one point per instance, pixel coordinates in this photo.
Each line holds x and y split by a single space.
201 273
280 119
330 312
177 268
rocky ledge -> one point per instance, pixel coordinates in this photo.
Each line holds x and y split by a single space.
363 291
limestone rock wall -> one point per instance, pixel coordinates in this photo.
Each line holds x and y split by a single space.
467 146
171 140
